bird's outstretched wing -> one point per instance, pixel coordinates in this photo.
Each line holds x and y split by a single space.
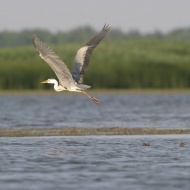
82 58
54 61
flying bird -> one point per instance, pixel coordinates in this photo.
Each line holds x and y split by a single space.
70 80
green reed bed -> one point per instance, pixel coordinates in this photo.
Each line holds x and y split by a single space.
143 63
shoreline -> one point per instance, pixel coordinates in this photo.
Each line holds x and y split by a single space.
43 132
98 91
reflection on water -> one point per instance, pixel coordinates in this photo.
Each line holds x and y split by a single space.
68 110
117 162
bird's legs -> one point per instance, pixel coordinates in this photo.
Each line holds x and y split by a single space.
91 97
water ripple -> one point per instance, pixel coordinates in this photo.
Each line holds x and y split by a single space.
95 162
68 111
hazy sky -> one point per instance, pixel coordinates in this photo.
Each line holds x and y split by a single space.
143 15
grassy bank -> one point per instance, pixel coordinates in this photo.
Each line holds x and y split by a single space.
143 63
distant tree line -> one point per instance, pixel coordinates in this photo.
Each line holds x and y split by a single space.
80 34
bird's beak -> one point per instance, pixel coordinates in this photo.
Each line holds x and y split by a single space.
44 81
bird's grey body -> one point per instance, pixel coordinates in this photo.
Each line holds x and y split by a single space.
71 81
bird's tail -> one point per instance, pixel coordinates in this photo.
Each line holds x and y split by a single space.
83 86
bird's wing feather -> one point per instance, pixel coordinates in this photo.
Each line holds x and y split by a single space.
82 57
54 61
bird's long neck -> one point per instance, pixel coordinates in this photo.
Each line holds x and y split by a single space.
56 86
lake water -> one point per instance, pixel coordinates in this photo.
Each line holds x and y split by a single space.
91 162
95 162
68 110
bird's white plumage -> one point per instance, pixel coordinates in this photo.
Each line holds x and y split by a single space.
56 86
81 54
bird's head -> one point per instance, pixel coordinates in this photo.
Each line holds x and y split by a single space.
50 81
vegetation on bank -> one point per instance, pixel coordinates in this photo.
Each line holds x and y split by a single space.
136 63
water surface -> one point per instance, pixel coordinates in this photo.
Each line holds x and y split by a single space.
117 162
91 162
116 110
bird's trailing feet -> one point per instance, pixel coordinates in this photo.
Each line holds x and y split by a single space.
95 100
91 97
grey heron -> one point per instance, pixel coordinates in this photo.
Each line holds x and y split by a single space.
70 81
